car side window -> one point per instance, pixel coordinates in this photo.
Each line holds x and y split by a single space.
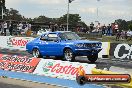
52 37
62 36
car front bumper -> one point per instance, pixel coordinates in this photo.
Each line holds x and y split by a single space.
86 52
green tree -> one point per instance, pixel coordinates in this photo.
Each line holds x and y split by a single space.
123 25
73 19
41 19
12 14
130 26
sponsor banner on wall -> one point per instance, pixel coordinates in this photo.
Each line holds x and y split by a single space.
17 63
3 41
18 42
121 51
61 69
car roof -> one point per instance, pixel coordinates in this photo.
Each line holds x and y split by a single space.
56 32
59 32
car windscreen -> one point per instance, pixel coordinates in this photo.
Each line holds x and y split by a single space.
69 36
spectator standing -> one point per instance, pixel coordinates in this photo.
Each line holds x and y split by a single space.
109 29
5 27
20 28
122 35
29 25
129 34
25 27
91 26
1 26
78 29
103 29
112 28
11 28
28 29
116 27
99 30
118 34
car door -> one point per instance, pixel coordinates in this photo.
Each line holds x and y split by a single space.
53 47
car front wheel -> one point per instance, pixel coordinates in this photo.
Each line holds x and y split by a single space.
36 53
68 55
92 58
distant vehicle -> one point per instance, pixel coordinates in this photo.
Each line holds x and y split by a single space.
42 31
65 45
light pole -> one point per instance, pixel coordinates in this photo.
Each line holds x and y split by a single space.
68 4
97 12
67 16
2 12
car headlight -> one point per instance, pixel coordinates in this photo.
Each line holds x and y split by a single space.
99 44
79 45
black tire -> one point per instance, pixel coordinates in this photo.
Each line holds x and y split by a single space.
69 55
36 53
92 58
81 80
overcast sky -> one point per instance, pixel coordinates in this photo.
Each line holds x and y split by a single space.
108 10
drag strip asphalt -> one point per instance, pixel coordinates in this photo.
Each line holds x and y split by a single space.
101 63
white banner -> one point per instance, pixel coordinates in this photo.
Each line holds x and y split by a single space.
11 42
61 69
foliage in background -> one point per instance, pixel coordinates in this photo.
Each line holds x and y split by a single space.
74 19
123 25
130 26
12 14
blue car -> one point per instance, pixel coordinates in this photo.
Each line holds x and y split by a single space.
65 45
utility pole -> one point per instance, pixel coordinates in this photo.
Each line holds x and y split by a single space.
68 5
2 12
97 11
67 16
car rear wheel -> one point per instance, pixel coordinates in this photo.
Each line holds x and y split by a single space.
36 53
92 58
68 55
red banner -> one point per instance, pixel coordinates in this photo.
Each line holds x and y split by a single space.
17 63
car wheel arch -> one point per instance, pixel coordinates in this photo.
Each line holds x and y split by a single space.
67 48
36 47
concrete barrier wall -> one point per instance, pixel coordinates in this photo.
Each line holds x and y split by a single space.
61 69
